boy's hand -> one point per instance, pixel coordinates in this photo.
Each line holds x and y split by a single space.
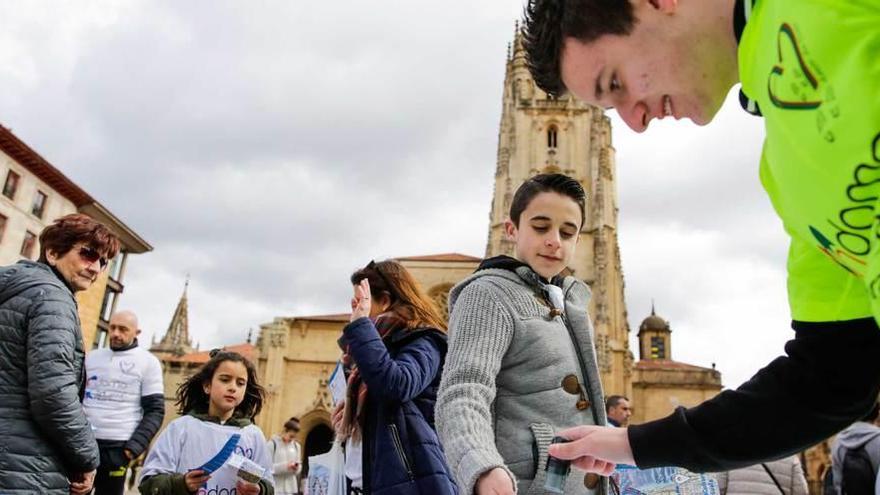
195 479
494 482
360 303
595 449
243 487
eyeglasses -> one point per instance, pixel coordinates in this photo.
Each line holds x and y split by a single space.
92 255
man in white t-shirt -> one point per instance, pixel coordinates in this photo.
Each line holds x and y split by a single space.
124 401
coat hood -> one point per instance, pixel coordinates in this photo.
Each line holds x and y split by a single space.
521 273
858 434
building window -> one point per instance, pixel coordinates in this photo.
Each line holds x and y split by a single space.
551 137
39 205
658 348
28 245
2 226
115 267
108 303
100 339
11 184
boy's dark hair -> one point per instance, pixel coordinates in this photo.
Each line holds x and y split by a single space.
873 414
191 394
547 23
558 183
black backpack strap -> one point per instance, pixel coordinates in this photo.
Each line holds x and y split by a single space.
775 481
858 473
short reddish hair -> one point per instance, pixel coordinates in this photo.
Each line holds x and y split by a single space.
69 230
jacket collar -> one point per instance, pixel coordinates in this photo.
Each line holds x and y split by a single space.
236 421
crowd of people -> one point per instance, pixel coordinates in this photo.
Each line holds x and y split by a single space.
479 406
469 408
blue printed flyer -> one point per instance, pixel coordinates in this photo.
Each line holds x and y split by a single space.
664 481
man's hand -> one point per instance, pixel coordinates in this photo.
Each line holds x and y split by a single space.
595 449
494 482
128 454
81 483
243 487
195 479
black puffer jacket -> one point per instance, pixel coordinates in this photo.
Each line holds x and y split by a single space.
44 435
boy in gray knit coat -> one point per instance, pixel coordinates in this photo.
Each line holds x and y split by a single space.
521 362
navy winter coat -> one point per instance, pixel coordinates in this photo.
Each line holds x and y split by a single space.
402 454
44 434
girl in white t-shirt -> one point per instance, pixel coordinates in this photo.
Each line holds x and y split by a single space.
192 455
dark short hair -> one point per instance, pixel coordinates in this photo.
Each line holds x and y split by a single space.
292 424
873 414
558 183
547 23
69 230
613 401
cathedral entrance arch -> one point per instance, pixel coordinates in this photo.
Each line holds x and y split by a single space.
316 436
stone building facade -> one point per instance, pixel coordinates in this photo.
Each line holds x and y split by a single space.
661 384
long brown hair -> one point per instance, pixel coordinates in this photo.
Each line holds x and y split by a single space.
191 394
408 301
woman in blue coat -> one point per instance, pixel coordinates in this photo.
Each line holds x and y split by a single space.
396 342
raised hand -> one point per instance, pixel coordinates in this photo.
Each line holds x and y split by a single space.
360 303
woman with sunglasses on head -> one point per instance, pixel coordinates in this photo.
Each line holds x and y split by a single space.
396 343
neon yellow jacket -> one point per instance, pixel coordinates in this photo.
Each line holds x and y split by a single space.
813 67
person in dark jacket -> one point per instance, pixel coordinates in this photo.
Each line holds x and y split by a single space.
47 444
396 341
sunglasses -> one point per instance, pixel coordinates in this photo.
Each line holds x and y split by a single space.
92 255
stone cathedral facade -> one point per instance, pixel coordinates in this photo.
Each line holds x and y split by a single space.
296 354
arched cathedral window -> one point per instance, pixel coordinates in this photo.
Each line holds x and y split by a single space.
551 137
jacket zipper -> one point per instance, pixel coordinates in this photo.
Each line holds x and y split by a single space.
580 358
398 446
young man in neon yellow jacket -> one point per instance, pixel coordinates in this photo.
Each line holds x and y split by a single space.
812 69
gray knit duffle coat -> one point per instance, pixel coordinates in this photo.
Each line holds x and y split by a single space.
44 435
502 397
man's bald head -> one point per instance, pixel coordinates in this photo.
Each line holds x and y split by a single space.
123 329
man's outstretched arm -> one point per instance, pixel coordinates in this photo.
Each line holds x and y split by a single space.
829 378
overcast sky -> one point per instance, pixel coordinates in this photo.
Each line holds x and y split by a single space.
270 148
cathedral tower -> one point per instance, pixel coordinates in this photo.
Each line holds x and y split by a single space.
176 340
541 134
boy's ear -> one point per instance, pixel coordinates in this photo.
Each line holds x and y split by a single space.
510 230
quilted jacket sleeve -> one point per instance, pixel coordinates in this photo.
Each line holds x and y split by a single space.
54 378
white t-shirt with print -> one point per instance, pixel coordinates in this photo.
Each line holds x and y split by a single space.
188 443
115 383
